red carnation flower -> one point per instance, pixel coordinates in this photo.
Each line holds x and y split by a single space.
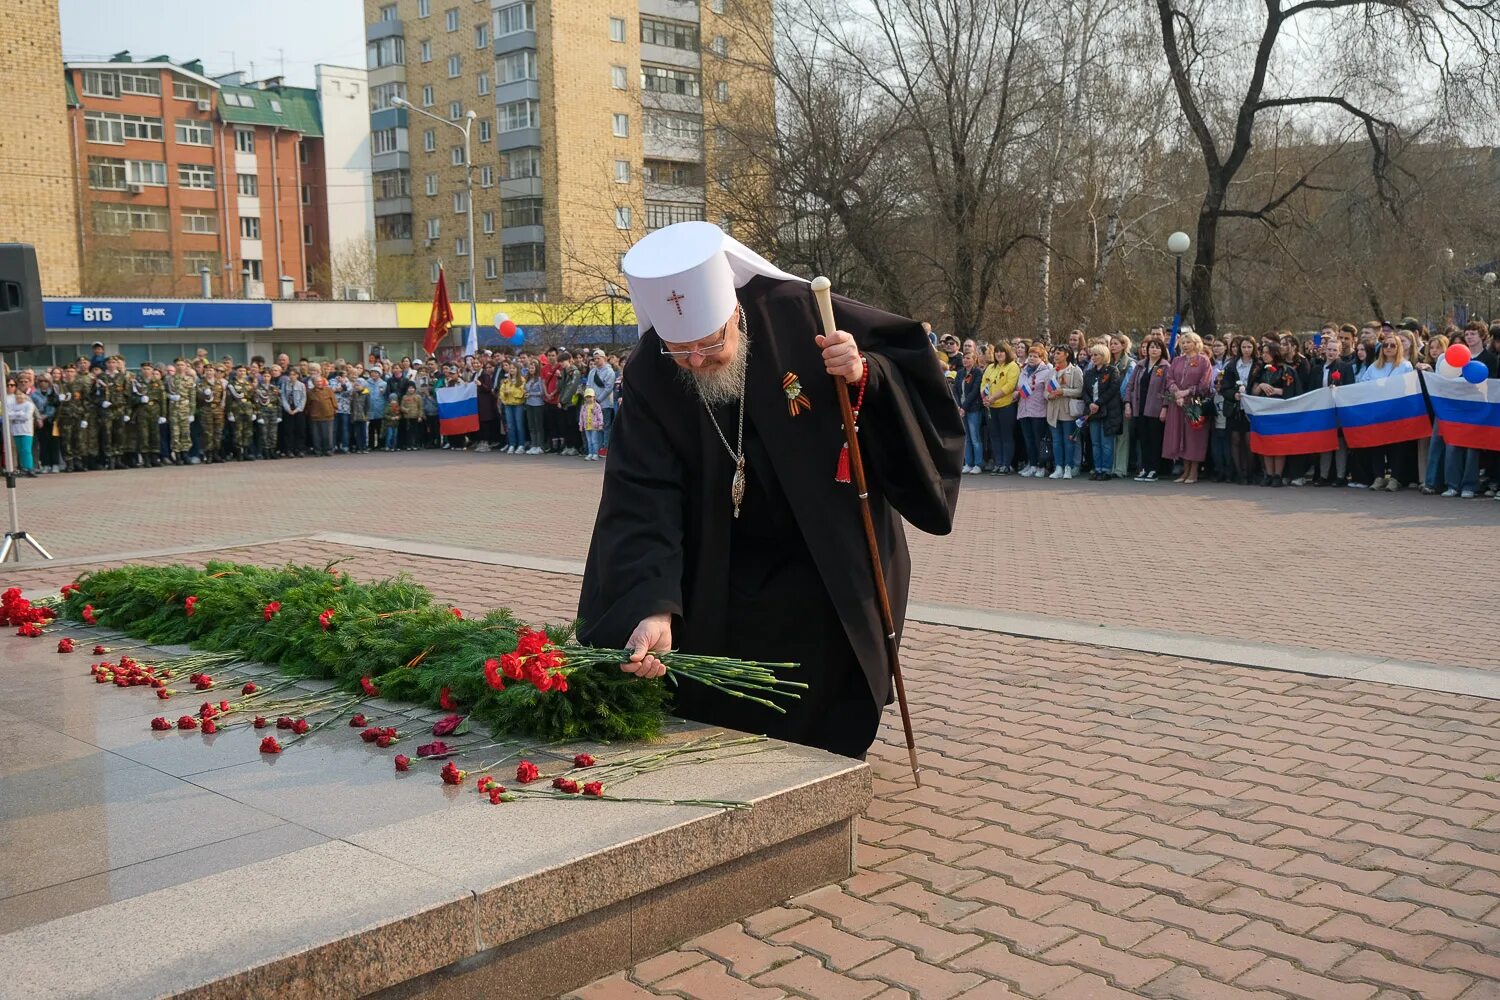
260 722
65 645
207 710
370 734
210 726
584 760
446 725
452 775
484 782
445 700
249 688
529 642
163 693
526 772
270 610
358 721
437 748
497 795
492 674
160 723
29 630
594 788
224 705
89 615
285 722
567 785
68 588
403 762
326 619
204 683
191 605
385 739
369 686
100 650
187 722
300 727
510 665
457 613
269 745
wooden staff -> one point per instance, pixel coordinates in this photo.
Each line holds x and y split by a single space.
821 291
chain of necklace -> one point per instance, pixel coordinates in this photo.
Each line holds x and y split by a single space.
737 485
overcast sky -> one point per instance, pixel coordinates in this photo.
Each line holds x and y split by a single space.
225 36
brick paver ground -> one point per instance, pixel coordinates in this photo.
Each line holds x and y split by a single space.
1097 823
1305 567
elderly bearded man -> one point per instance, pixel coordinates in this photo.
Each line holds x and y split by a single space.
722 528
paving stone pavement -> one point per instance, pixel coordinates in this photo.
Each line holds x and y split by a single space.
1323 562
1098 823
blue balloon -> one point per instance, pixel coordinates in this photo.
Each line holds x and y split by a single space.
514 340
1476 372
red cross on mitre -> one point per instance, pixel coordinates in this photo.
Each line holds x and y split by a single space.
676 299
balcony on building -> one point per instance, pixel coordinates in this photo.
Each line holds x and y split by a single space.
377 30
674 10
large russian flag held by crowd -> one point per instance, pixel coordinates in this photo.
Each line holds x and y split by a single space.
458 408
1468 415
1384 411
1302 425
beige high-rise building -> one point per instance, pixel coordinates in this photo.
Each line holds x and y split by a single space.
38 193
597 123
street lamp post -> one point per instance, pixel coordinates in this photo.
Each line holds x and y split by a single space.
402 102
1177 245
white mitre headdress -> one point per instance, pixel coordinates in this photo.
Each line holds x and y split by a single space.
682 279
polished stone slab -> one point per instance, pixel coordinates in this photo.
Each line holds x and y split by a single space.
321 871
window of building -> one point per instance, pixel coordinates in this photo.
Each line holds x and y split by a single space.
200 220
194 261
244 140
490 268
148 172
463 288
307 235
384 95
388 12
424 8
517 65
666 213
672 34
139 261
461 249
247 185
617 29
486 175
717 6
101 83
385 140
118 217
195 176
427 98
518 115
191 132
481 36
721 91
673 174
249 227
617 77
302 152
238 100
484 84
622 171
385 52
106 174
455 111
515 18
456 156
520 212
450 19
430 181
435 271
255 269
460 202
622 217
426 48
392 184
523 257
114 129
488 221
521 163
429 140
148 84
720 46
455 66
484 130
665 80
434 228
622 126
187 90
393 227
677 127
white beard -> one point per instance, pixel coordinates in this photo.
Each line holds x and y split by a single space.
719 385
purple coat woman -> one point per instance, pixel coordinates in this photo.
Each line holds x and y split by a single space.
1192 375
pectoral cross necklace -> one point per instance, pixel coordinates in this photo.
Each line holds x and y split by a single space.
737 485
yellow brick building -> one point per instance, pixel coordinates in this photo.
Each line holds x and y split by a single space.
38 186
597 122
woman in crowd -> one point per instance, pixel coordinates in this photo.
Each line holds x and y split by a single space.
1189 381
1122 353
411 419
1237 379
44 397
1106 410
1031 411
1394 465
513 401
1276 379
21 414
966 384
1148 404
535 399
1064 407
998 393
1431 451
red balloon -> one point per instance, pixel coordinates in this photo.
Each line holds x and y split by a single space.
1458 355
508 329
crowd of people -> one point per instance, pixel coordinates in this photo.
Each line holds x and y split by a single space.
97 414
1149 408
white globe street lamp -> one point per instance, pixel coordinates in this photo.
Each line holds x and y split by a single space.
1177 245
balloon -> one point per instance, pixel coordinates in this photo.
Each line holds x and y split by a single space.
516 339
1475 371
1457 355
1446 370
500 320
507 328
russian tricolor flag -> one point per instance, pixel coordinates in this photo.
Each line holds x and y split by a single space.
458 408
1468 415
1303 425
1383 411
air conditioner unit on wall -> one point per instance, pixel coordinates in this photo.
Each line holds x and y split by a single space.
204 106
135 188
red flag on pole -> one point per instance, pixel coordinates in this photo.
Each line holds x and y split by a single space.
442 315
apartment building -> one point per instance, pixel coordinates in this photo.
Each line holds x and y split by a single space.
182 174
597 125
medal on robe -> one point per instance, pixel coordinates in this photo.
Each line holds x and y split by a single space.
796 400
737 486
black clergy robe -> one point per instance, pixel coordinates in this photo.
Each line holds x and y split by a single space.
789 580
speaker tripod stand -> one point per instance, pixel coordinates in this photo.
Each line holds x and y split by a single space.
10 547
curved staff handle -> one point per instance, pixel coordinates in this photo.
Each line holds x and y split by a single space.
821 289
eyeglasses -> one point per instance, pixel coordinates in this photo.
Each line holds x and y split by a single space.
704 350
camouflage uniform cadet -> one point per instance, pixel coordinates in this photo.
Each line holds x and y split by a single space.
86 397
240 411
183 385
267 400
146 417
210 403
113 430
70 415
